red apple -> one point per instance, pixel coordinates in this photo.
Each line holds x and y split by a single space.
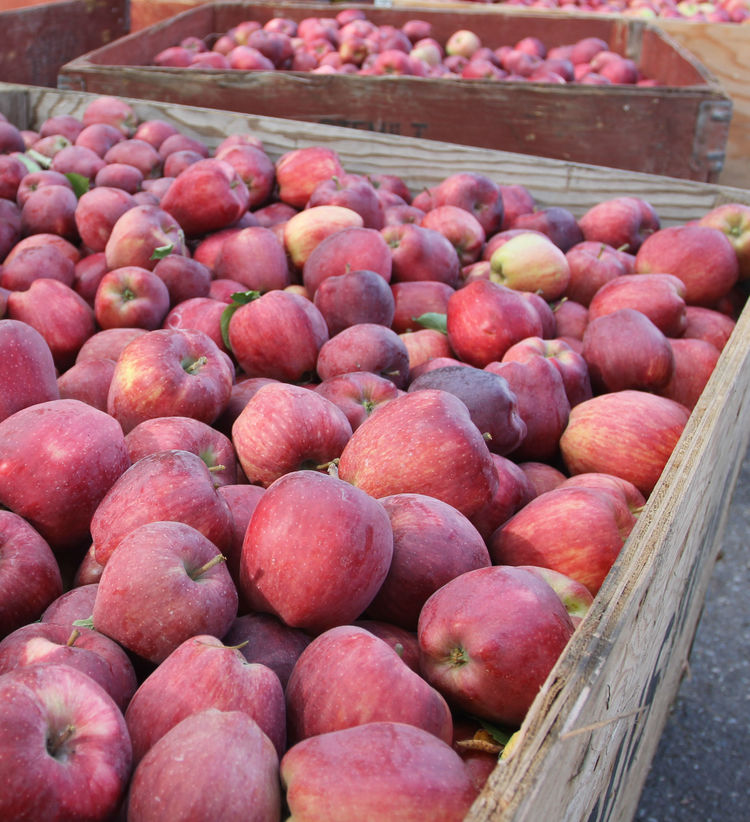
169 372
65 746
141 236
358 394
87 381
337 528
167 486
592 264
330 776
298 172
401 449
420 253
131 297
76 603
304 231
489 661
107 343
254 257
214 763
164 583
204 673
574 530
286 428
694 362
358 296
27 370
621 222
78 453
347 677
30 577
709 325
734 220
630 434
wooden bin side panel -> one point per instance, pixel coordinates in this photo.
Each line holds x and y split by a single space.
39 39
590 748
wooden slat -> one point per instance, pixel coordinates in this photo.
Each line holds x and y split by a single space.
591 733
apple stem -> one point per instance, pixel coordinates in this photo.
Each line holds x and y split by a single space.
217 468
73 637
399 649
56 740
238 647
197 365
207 566
487 436
457 657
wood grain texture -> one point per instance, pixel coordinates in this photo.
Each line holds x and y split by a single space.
678 129
590 735
39 38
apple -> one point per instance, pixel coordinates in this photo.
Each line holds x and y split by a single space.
517 200
485 318
491 403
30 578
58 313
572 366
137 153
65 746
349 249
625 349
50 209
308 228
113 111
358 394
352 191
76 603
263 638
577 531
621 222
141 236
694 362
541 476
298 172
630 434
89 651
531 262
99 137
203 673
555 222
87 274
543 404
170 372
97 211
463 42
108 343
460 227
240 395
339 530
214 763
592 264
571 318
180 142
154 131
489 661
187 434
358 296
514 490
241 500
347 677
254 257
27 369
202 314
414 298
709 325
77 159
43 239
286 428
163 583
10 227
79 452
330 776
277 335
165 486
33 180
432 544
661 297
701 256
87 381
131 297
397 448
365 347
734 220
420 253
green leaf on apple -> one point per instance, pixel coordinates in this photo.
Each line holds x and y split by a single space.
41 159
84 623
162 251
239 298
31 165
433 320
80 183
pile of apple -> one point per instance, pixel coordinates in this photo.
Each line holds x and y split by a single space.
349 43
697 11
307 479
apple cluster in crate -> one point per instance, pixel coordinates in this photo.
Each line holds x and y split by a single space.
697 11
350 43
302 471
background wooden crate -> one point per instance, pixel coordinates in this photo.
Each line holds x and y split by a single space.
39 37
722 48
591 733
678 129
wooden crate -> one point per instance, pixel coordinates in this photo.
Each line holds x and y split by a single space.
678 129
38 38
590 735
722 48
